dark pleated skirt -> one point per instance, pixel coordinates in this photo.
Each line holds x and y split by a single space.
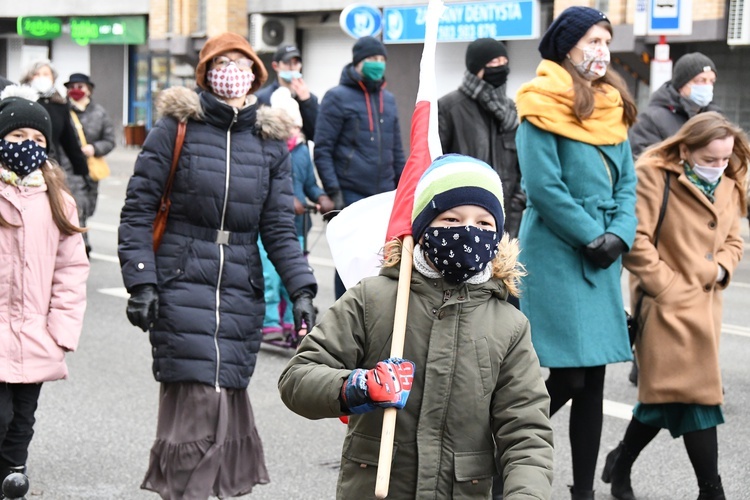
679 418
206 444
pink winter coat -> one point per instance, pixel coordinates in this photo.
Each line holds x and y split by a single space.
42 287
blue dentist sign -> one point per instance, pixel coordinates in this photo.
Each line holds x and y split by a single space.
358 20
461 22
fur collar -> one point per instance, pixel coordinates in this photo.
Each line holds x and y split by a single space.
183 104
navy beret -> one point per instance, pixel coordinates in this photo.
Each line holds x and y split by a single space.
565 31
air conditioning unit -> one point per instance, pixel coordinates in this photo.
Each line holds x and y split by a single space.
268 33
738 28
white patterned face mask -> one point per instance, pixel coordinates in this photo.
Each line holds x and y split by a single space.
230 81
594 64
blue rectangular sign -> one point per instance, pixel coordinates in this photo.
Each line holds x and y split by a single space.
464 22
665 15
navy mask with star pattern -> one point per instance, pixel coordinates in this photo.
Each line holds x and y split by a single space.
459 252
22 158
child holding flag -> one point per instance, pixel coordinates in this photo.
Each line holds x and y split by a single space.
473 382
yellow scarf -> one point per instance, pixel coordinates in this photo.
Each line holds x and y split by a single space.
547 102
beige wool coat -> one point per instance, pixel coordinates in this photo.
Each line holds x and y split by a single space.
677 347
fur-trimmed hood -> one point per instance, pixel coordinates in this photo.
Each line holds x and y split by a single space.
183 104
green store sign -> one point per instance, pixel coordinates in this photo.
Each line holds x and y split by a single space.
44 28
126 30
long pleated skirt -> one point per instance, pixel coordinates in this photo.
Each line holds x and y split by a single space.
206 444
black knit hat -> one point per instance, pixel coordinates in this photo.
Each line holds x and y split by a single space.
367 46
481 51
565 31
688 67
17 112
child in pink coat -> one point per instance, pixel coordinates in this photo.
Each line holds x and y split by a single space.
42 276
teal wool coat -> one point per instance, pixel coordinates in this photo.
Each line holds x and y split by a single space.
575 308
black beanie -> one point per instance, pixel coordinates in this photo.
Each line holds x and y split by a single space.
565 31
688 67
17 112
481 51
367 46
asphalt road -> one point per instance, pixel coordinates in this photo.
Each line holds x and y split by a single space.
94 430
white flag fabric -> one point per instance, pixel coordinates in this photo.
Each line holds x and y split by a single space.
356 237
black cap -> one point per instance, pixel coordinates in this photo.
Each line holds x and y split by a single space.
565 31
17 112
483 50
79 78
286 53
367 46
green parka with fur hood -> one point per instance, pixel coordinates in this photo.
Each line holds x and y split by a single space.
477 386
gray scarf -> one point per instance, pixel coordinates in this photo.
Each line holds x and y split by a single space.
492 99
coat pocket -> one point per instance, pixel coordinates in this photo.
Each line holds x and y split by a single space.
359 466
473 471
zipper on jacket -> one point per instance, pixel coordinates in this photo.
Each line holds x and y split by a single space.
221 248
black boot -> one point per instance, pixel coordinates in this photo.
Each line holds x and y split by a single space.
617 471
711 489
14 483
581 495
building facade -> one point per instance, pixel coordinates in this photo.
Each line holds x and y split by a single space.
130 75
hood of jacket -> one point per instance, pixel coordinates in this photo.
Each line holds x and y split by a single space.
183 104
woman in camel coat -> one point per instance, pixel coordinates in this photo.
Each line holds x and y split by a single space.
681 279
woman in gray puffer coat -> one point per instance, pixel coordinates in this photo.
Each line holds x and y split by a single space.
201 293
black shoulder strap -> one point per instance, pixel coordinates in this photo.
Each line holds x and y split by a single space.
662 212
663 209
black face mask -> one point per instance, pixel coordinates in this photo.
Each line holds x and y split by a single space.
496 75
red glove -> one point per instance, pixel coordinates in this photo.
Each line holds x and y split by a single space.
387 385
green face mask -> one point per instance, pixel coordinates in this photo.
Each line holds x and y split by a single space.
373 70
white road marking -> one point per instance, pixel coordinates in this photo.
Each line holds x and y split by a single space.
115 292
104 257
99 226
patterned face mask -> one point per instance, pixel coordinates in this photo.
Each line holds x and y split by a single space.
594 64
230 81
459 252
22 158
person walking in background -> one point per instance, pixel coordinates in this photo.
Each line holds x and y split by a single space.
578 175
44 272
99 134
681 280
689 92
358 151
41 76
200 294
278 321
287 63
480 120
470 384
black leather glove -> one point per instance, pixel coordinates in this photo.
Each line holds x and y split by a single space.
143 306
604 250
338 200
303 309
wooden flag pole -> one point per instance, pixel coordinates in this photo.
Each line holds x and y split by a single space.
397 350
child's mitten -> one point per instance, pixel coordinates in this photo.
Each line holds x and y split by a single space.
386 385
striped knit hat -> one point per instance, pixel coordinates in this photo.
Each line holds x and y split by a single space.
452 180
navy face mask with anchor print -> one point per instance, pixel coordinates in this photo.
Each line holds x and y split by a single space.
459 252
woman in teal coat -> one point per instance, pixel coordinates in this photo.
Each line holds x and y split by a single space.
578 174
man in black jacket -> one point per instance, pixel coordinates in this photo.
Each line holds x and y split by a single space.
479 120
689 92
287 63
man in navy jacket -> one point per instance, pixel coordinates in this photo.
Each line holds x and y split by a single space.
358 151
